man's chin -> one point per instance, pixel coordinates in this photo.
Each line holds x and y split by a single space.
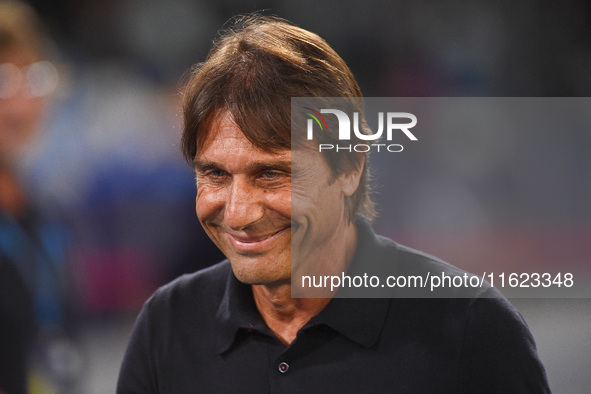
255 272
263 281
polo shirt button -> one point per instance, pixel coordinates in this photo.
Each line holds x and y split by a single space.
283 367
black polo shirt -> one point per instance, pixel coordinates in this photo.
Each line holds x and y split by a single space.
203 334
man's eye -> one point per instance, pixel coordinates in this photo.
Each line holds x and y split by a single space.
270 175
212 175
216 173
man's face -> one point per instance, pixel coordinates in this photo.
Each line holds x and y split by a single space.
244 203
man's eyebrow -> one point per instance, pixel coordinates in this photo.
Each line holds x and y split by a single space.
201 165
281 165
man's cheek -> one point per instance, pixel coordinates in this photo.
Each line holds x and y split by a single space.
302 203
281 202
208 203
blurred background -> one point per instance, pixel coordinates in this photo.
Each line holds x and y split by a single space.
107 155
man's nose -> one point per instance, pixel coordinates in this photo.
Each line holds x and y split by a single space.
243 205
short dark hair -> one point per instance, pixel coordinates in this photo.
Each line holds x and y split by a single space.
252 72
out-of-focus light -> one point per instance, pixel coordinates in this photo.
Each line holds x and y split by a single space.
38 79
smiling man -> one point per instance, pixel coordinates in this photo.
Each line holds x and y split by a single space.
235 327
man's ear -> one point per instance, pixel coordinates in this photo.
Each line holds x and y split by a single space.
350 180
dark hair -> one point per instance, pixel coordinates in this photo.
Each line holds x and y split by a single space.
252 72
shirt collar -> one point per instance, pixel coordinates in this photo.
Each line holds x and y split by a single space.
237 310
359 319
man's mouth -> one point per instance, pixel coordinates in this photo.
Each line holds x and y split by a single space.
255 243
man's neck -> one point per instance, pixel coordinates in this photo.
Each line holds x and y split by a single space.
285 315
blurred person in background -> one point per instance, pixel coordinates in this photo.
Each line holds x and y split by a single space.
36 352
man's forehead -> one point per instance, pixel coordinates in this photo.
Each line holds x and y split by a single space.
224 136
221 132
